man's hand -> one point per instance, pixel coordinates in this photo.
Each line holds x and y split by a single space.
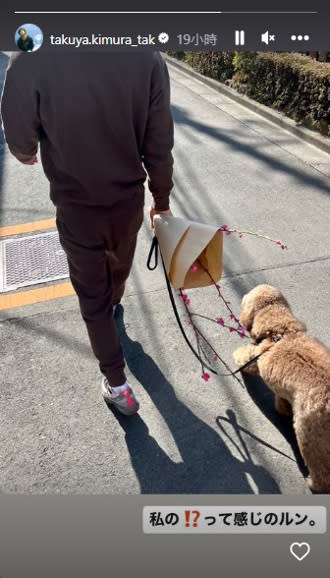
32 161
153 212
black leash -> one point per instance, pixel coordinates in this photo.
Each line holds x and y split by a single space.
154 249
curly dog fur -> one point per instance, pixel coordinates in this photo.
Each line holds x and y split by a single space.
296 368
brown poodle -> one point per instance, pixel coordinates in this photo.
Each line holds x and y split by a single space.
297 369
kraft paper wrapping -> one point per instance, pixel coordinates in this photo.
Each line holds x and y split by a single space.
182 243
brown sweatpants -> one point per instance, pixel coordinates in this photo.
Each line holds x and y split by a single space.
100 244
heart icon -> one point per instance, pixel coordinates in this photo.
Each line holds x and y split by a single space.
300 550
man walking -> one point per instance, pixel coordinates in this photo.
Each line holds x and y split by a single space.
104 124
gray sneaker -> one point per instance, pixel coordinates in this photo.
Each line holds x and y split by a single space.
125 401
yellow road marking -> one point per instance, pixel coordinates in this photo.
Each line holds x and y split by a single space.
36 296
27 227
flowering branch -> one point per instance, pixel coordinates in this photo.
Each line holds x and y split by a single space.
206 376
239 329
199 334
228 231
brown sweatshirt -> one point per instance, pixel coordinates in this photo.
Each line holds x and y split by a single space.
99 118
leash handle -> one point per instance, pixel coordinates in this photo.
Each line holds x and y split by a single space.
154 249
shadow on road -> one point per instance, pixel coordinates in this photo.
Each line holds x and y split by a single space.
263 397
208 465
236 145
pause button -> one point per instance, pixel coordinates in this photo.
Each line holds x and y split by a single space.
239 37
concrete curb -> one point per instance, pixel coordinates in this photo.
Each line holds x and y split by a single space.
319 141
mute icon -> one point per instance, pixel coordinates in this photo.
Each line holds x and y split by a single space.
267 38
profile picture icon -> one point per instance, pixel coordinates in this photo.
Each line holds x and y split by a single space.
29 37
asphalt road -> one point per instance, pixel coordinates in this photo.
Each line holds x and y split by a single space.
190 437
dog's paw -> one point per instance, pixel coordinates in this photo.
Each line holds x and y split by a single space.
243 355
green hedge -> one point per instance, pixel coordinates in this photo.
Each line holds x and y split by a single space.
289 82
292 83
218 65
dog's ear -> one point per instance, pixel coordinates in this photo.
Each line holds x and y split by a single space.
275 321
247 313
295 326
257 299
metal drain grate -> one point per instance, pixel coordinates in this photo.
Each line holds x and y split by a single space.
31 260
